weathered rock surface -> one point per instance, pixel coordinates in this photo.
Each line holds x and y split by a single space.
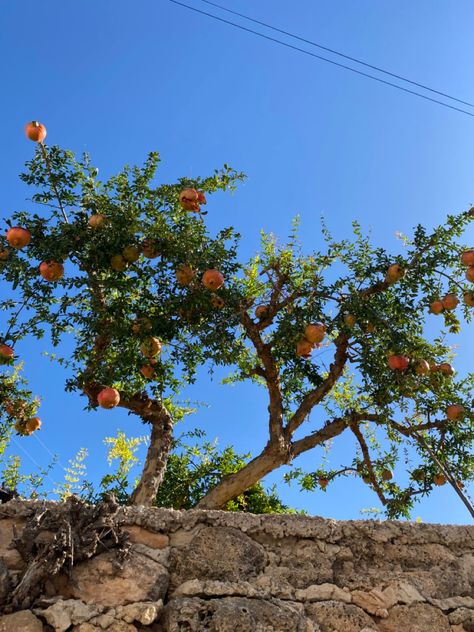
323 592
115 626
152 540
5 582
226 572
416 618
235 614
462 615
62 614
219 553
24 621
145 613
334 615
10 555
100 581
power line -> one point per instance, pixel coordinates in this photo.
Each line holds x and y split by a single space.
55 457
41 470
339 54
329 61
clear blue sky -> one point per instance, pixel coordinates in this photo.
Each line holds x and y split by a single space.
120 79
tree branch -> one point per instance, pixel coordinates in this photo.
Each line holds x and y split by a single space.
406 431
446 472
313 398
53 182
274 308
383 285
270 375
367 460
232 485
328 431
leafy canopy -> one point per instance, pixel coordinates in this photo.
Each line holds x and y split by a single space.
121 285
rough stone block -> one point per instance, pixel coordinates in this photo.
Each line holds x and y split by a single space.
234 614
323 592
10 555
218 553
416 618
62 614
99 581
142 536
333 615
23 621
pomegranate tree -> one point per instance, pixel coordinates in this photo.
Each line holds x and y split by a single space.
337 336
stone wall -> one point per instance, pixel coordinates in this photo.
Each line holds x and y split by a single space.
225 572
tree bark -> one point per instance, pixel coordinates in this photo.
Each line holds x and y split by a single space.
155 464
271 376
152 412
273 456
234 484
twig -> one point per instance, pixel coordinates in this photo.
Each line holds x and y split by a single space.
58 197
448 276
53 183
446 472
367 460
15 317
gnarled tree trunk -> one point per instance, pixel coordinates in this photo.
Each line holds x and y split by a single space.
152 412
274 455
155 464
234 484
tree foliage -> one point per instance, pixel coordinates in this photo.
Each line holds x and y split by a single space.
122 285
195 468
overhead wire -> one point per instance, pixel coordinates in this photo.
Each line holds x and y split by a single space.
339 54
55 457
320 57
35 463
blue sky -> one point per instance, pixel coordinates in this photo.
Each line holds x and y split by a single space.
121 79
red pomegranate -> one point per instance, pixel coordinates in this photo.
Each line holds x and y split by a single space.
108 397
35 131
